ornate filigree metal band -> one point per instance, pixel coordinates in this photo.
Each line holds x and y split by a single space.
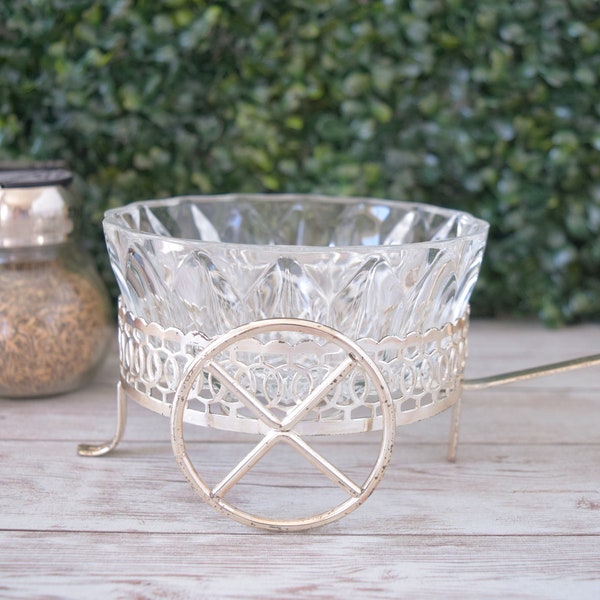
423 371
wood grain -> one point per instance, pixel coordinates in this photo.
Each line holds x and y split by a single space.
517 516
261 566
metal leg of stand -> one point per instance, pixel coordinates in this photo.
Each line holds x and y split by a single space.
105 448
454 429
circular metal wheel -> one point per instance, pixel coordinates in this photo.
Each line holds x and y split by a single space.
282 430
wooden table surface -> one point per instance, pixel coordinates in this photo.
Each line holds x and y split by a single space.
518 515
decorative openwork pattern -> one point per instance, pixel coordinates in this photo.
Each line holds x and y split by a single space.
422 371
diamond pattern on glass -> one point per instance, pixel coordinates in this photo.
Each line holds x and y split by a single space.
366 268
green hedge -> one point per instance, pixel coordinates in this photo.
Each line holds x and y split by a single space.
492 107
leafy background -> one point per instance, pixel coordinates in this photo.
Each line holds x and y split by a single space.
491 107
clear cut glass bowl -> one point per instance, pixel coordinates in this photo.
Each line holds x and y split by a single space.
368 268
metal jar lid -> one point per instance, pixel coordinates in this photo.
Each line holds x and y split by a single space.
34 206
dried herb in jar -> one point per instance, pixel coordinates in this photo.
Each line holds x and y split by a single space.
53 328
54 310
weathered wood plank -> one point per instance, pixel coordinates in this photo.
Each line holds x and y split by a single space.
271 566
493 489
507 414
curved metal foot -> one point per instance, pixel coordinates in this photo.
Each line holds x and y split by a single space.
283 429
102 449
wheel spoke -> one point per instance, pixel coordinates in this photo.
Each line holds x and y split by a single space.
249 401
278 428
318 393
244 466
319 461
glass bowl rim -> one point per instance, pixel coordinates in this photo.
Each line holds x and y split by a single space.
111 215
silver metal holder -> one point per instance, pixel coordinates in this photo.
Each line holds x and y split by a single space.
289 379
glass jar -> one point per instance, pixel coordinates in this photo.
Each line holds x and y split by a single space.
55 315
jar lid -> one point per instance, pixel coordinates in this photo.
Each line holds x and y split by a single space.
34 206
34 177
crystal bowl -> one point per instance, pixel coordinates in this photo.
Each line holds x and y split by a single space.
365 267
393 277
